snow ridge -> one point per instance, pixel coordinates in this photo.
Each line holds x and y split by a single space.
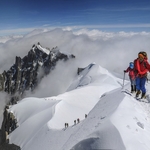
114 119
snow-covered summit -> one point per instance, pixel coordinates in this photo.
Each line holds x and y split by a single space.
94 74
45 50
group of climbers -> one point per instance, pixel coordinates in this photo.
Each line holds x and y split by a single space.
138 74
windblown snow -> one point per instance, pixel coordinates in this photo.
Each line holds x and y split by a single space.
115 120
43 49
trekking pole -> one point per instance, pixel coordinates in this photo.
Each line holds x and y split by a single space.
123 80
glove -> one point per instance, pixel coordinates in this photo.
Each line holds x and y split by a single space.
124 71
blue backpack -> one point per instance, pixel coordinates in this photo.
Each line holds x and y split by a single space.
131 65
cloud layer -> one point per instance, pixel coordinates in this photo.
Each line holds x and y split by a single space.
112 51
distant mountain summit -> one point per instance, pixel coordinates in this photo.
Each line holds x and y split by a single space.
26 72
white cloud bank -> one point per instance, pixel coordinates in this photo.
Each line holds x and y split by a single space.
112 51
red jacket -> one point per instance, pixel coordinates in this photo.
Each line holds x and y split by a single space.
141 68
131 73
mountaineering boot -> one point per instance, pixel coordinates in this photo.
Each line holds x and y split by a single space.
138 93
132 88
143 95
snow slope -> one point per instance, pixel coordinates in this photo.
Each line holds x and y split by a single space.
115 120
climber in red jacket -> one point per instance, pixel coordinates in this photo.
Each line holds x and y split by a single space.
141 66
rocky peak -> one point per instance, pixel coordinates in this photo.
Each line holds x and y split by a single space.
24 75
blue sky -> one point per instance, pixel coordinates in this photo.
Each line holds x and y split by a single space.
20 16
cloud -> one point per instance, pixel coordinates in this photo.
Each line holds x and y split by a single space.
112 51
23 31
57 81
15 31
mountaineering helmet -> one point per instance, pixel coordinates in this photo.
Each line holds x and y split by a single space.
131 65
142 54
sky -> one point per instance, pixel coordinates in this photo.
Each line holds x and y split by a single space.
23 16
115 120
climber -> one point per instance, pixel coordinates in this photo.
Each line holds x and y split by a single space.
141 67
132 77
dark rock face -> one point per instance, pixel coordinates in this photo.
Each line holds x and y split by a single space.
9 124
6 146
24 75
